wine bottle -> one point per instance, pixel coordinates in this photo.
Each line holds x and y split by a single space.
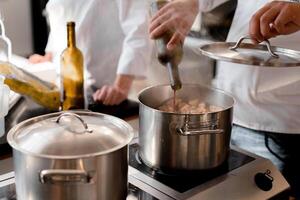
72 77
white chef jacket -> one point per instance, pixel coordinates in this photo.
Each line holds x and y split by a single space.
111 34
267 99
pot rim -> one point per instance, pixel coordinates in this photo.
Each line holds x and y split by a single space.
15 146
192 114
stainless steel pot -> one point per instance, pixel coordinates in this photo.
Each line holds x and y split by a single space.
176 142
71 156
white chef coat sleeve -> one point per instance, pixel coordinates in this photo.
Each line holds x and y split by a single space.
208 5
135 56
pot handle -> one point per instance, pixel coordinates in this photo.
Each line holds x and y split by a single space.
237 45
187 132
52 176
67 114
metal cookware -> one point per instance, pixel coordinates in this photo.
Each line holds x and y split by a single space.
184 142
71 156
251 54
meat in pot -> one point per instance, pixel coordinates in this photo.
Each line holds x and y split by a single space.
193 106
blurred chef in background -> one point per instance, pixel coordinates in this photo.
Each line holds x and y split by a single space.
275 18
267 110
113 37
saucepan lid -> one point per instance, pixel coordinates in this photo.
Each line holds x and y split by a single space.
251 54
70 135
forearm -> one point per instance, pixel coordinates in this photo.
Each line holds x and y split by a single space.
124 82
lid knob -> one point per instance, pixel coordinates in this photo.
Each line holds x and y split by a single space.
237 45
70 114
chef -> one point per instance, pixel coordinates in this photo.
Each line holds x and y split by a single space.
267 109
113 37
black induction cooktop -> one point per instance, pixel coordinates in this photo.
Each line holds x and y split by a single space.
183 182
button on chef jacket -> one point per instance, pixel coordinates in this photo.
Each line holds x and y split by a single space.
267 99
111 34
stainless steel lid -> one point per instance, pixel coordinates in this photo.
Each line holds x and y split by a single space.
70 135
251 54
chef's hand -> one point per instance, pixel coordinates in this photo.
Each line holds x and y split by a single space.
116 93
36 58
177 15
273 19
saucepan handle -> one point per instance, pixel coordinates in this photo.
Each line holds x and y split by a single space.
69 114
188 132
52 176
237 45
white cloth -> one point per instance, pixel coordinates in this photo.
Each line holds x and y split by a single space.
267 99
112 35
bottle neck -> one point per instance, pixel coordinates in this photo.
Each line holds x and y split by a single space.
174 77
71 35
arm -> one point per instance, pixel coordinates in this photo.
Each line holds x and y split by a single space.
135 56
136 51
273 19
179 15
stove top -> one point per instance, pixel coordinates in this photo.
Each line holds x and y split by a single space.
232 181
8 190
187 181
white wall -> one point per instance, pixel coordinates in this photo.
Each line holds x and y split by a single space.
17 21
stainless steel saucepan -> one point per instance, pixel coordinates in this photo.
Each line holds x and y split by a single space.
183 142
71 156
